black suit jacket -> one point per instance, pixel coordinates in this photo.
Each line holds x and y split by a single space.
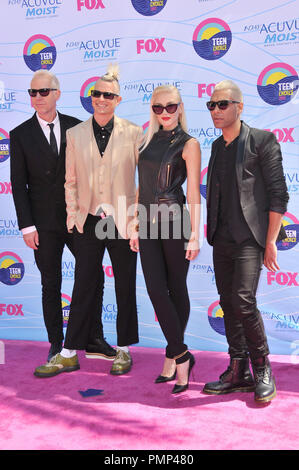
260 180
38 175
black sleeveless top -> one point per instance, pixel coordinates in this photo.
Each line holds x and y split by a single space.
162 170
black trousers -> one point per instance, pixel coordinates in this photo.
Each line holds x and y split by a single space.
237 272
48 258
89 286
165 271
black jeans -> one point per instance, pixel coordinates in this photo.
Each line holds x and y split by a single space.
88 289
48 259
165 271
237 272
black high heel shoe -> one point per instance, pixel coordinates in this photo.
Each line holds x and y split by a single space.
162 378
182 388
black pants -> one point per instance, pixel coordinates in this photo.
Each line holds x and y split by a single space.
89 286
48 259
165 271
237 273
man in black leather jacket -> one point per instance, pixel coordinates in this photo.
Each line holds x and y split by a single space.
246 199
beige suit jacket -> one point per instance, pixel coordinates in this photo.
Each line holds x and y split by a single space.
119 188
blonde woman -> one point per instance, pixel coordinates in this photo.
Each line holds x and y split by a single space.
169 233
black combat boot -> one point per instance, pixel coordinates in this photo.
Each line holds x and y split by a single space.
265 389
237 378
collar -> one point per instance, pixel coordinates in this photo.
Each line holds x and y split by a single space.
44 123
173 132
108 127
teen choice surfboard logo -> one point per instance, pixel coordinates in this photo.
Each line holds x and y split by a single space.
85 94
278 83
39 52
11 268
212 39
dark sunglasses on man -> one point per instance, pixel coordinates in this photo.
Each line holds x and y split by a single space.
222 104
42 91
170 108
107 95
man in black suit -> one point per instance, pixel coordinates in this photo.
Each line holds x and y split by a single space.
38 176
246 199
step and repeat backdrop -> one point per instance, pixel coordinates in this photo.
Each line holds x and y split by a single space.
191 44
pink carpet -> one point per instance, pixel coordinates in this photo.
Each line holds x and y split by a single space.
135 413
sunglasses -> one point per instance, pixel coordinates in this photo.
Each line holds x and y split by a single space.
222 104
42 91
106 94
170 108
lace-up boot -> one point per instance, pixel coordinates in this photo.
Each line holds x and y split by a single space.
265 389
236 378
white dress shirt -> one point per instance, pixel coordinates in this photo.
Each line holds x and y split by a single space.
46 131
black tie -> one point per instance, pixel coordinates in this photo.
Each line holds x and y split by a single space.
53 142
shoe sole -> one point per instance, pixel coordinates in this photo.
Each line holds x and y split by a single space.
99 356
65 369
226 392
264 400
121 372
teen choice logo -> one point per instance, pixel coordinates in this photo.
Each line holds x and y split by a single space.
149 7
65 305
11 268
203 182
215 317
291 226
278 83
4 145
85 94
39 52
212 39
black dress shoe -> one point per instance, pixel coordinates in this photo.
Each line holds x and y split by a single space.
162 378
265 389
236 378
54 349
181 388
100 349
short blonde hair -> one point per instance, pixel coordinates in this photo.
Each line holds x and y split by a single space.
153 122
230 85
50 76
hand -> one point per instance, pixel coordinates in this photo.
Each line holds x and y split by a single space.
134 243
31 239
192 249
270 257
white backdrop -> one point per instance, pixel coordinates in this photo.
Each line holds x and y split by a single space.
192 44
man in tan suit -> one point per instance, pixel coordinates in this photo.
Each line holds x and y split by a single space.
101 160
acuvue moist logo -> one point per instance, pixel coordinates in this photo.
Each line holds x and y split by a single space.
4 145
11 268
212 39
85 93
148 7
278 83
39 52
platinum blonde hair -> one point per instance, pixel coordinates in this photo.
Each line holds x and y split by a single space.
112 76
230 85
153 122
53 80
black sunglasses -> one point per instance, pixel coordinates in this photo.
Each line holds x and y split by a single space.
42 91
222 104
106 94
170 108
